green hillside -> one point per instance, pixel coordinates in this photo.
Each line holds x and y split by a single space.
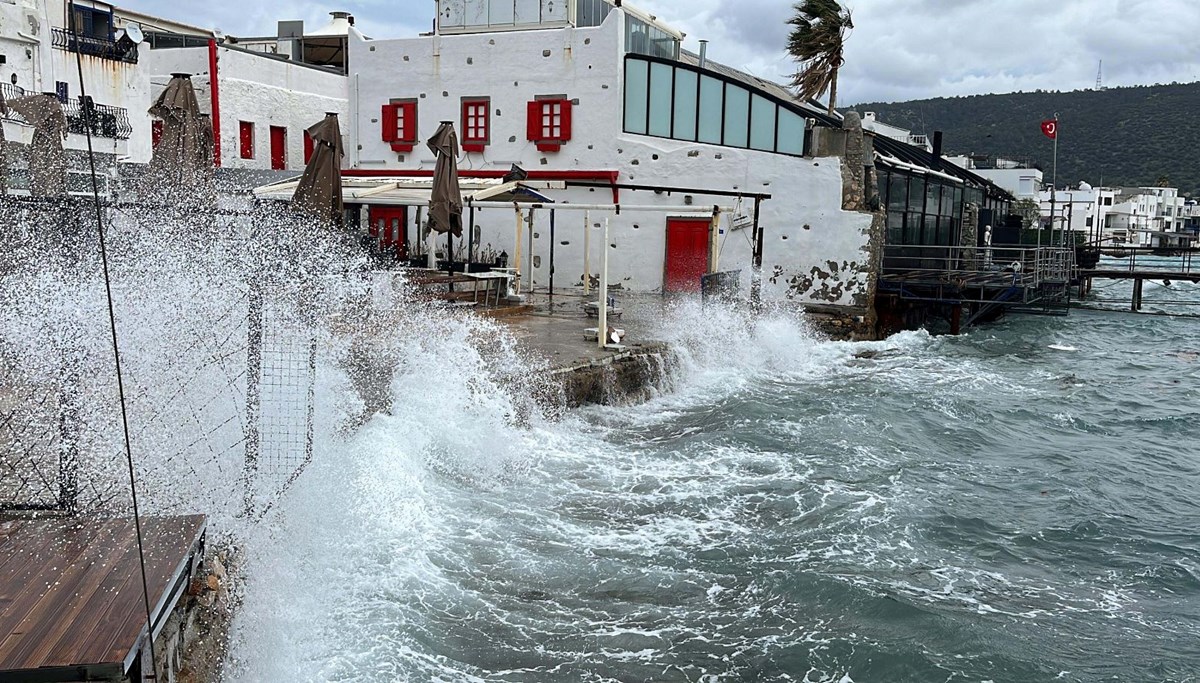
1120 136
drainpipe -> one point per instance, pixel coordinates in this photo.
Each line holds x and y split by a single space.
215 91
703 53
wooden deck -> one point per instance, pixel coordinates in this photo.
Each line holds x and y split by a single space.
71 605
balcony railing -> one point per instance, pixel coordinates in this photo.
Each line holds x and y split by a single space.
102 120
103 48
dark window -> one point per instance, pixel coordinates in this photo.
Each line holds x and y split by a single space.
246 139
63 91
92 23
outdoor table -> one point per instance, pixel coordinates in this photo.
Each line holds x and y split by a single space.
499 278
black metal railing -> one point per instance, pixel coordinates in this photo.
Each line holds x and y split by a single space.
101 120
104 48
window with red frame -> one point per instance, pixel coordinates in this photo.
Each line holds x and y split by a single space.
399 122
156 130
549 123
476 124
246 139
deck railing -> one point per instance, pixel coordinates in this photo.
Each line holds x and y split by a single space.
104 48
977 273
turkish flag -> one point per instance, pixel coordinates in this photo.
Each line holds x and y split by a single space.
1050 128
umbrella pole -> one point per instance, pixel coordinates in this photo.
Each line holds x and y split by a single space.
471 234
587 253
517 249
602 337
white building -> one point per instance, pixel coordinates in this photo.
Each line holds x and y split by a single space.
261 106
1083 210
1148 217
1023 181
872 123
586 91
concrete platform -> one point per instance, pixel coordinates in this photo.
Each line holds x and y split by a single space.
555 330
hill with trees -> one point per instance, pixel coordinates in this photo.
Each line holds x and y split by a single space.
1134 136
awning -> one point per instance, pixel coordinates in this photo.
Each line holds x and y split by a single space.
418 191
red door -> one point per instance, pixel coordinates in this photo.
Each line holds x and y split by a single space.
278 148
387 226
687 254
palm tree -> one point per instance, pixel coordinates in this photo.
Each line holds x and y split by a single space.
816 44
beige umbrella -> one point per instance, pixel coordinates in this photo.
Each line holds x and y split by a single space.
320 190
47 161
177 160
446 204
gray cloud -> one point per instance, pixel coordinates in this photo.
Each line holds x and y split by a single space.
900 49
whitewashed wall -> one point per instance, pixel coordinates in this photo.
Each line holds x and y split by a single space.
265 91
814 251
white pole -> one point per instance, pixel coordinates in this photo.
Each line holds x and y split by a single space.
602 330
517 255
715 243
587 253
529 256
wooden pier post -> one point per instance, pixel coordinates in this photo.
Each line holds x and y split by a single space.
956 319
1136 305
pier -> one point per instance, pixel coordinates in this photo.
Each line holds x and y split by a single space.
1140 264
967 285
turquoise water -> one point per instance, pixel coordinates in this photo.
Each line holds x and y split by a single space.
1021 503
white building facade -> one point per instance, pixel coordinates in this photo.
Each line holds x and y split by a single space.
590 91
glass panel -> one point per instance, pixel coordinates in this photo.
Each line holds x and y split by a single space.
912 228
916 194
762 124
958 202
685 104
637 74
932 188
930 235
660 99
898 191
791 132
946 206
710 109
895 227
500 12
737 116
527 11
636 39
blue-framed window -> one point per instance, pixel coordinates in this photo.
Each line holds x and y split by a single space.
669 99
91 22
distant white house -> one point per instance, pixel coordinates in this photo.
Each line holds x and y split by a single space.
1150 217
1023 181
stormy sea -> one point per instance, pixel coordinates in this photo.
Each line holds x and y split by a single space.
1020 503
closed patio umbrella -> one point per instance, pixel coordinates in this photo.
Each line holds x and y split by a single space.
445 204
178 159
320 190
3 148
47 161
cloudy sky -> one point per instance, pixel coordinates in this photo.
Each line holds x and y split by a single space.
899 50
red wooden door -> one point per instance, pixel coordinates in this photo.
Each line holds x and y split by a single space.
278 148
387 226
687 254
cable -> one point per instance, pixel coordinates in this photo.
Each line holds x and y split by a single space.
112 322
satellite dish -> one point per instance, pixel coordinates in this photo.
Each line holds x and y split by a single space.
134 33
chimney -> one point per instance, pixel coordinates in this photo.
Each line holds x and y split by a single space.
703 53
937 145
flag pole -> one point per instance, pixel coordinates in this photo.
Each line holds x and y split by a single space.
1054 182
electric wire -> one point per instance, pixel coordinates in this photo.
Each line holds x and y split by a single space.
112 322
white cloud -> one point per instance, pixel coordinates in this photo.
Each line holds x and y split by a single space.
900 49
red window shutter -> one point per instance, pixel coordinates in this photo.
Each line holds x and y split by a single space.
156 129
308 147
387 122
533 121
410 121
566 120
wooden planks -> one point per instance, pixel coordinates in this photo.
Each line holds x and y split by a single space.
71 591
